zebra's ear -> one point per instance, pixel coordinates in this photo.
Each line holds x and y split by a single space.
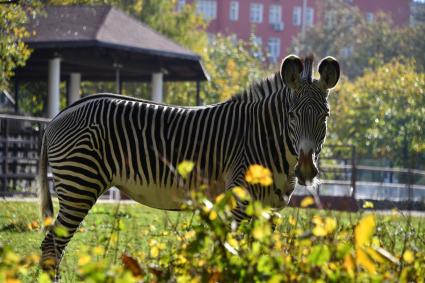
329 72
290 71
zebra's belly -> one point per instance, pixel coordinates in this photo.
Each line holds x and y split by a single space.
166 197
156 197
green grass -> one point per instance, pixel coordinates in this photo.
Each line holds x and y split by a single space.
139 224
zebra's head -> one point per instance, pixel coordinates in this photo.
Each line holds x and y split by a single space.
307 110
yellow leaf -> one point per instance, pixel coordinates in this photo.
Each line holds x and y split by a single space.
185 167
307 201
408 256
33 225
375 255
363 259
349 264
364 230
47 221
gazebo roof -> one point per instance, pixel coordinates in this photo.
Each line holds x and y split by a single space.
95 40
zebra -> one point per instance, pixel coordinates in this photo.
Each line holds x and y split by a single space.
135 145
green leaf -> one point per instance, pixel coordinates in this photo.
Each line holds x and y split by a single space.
319 255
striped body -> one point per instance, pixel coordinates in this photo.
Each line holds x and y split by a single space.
109 140
106 140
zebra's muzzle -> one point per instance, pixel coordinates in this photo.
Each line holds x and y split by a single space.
306 170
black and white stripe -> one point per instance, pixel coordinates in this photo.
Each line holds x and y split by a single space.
108 140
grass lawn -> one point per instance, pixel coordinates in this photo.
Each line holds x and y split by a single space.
19 229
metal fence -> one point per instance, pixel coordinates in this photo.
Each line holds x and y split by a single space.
341 175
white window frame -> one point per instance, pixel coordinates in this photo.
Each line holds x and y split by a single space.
273 46
207 8
275 14
309 19
296 16
234 11
256 13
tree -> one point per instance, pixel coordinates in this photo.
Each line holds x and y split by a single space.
13 51
382 113
344 33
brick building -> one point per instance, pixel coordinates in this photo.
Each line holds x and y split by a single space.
276 22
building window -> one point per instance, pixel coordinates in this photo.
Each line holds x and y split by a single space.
234 11
296 16
256 13
370 17
274 48
310 17
180 4
257 40
207 8
275 14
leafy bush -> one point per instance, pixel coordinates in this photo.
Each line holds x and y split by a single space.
310 247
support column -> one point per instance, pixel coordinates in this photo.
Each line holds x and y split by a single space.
53 87
157 83
74 87
198 90
16 83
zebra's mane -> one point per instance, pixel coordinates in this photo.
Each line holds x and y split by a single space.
260 89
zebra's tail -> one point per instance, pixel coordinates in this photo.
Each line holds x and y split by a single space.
45 197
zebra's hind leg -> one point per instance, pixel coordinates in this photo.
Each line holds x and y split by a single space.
71 213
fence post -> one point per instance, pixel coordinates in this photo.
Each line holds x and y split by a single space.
5 156
353 170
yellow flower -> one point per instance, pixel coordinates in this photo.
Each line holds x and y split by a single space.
408 256
99 250
307 201
319 231
213 215
368 204
154 251
241 193
185 167
330 224
84 260
257 174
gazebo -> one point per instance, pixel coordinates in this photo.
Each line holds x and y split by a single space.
102 43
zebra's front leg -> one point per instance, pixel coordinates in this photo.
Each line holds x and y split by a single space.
59 235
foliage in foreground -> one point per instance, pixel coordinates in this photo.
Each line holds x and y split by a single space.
316 247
